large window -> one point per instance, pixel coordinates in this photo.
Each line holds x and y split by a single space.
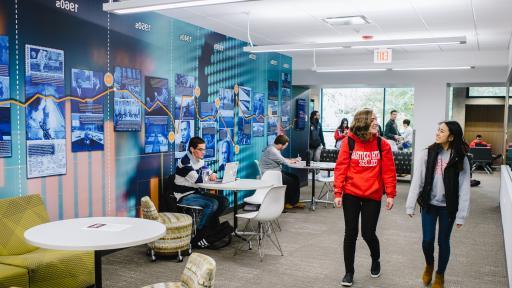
339 103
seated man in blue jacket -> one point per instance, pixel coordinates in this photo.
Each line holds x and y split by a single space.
190 170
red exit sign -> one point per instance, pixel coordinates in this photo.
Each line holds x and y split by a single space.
382 55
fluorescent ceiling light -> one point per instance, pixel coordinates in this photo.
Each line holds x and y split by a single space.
357 44
434 68
136 6
347 20
370 69
321 70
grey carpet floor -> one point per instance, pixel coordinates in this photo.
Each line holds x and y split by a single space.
312 244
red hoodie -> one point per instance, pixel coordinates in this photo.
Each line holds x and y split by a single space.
362 177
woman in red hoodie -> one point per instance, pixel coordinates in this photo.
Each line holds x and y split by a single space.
341 132
364 171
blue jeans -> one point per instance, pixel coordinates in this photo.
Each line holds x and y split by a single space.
209 205
428 220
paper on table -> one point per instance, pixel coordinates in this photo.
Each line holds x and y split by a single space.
106 227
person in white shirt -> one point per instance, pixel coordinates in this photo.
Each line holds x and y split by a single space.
407 134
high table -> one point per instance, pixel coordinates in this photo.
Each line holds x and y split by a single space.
313 167
235 186
95 233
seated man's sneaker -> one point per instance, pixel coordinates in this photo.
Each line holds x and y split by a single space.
299 206
288 206
348 279
202 243
375 270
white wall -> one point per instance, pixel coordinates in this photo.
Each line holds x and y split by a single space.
431 95
506 216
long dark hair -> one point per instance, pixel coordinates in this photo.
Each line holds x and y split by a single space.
458 145
312 115
344 120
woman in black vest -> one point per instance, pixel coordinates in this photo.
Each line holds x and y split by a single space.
440 186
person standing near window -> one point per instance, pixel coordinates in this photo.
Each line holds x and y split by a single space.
441 187
316 136
365 169
341 132
391 128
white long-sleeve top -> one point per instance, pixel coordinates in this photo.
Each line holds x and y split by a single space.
437 197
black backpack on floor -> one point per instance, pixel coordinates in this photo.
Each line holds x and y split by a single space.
219 236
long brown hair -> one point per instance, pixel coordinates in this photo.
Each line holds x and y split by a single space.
361 124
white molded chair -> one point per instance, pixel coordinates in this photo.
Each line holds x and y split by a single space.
257 163
272 177
327 189
270 209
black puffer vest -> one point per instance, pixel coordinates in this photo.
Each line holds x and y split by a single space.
450 180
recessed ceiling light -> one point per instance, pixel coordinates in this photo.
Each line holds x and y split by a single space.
347 20
137 6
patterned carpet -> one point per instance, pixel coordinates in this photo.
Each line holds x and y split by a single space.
311 243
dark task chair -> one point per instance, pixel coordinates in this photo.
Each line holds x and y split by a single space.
482 158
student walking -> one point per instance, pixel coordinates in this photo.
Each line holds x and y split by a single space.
364 171
440 186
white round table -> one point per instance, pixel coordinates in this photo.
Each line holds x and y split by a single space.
235 186
95 233
313 166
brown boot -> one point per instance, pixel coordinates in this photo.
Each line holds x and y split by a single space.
439 281
427 275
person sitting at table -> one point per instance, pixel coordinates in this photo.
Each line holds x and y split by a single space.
478 142
190 170
271 159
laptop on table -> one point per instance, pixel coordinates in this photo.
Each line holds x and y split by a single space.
230 172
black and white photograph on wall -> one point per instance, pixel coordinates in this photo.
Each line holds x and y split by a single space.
4 56
285 113
45 118
87 131
184 130
244 130
208 132
258 129
227 102
184 107
157 91
45 62
127 108
244 98
226 122
272 129
286 94
226 153
286 81
184 85
209 110
273 107
5 110
155 134
273 92
258 107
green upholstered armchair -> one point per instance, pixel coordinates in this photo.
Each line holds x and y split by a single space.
179 230
23 265
199 273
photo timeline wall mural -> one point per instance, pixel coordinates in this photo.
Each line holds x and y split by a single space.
94 113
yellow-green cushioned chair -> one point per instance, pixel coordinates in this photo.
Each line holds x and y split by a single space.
11 276
44 268
177 237
199 273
